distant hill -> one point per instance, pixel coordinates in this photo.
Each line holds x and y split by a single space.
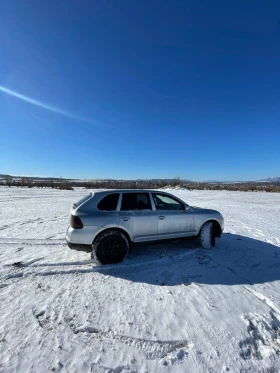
4 176
274 179
271 179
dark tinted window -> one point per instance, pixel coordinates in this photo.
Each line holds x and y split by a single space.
109 203
164 202
136 201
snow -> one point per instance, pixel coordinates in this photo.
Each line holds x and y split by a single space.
168 307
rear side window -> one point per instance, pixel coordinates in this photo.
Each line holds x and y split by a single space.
76 205
109 203
136 201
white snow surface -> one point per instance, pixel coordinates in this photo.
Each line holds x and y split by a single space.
168 307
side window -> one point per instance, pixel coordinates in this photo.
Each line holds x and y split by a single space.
136 201
164 202
109 203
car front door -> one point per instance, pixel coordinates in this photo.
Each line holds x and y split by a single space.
174 220
137 217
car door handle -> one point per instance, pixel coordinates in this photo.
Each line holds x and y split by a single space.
161 217
126 218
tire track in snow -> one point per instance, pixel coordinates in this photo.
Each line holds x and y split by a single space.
257 294
153 349
264 299
96 268
24 264
168 351
26 270
240 277
32 241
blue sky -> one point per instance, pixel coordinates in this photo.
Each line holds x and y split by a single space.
140 89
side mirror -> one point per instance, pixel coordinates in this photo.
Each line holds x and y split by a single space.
187 207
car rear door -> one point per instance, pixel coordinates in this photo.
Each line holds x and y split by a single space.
137 217
173 219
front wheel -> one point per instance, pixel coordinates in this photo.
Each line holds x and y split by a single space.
110 247
207 235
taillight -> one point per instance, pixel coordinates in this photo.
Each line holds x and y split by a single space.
76 222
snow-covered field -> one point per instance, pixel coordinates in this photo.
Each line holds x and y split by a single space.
169 307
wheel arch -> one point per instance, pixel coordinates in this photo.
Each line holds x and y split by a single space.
117 229
216 226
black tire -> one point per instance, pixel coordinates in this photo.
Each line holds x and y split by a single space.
110 247
207 235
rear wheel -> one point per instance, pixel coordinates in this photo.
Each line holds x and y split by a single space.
207 235
110 247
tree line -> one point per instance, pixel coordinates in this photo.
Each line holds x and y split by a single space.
64 184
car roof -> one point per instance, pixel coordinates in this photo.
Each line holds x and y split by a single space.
123 190
103 192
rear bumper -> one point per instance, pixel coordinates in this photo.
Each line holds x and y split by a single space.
79 247
83 236
79 239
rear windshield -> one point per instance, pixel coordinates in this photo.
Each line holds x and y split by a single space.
76 205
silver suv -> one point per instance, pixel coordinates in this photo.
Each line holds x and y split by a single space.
107 222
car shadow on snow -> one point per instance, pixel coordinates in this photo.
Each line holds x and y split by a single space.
235 260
